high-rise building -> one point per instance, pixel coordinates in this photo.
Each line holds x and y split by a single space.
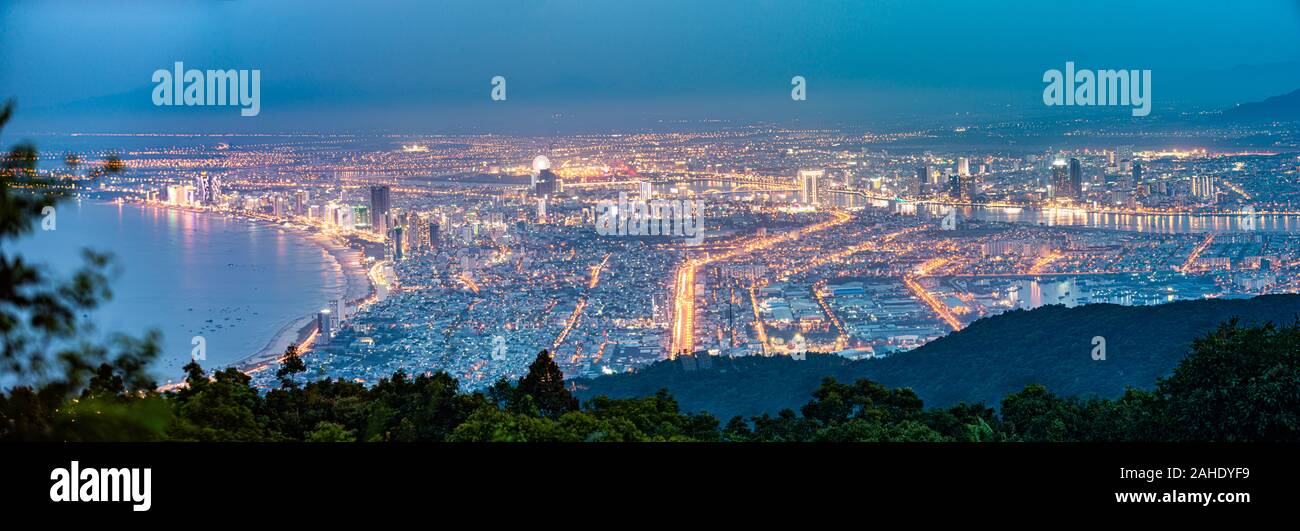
1076 179
331 216
411 230
324 322
540 164
647 192
963 166
201 186
433 236
808 186
207 188
546 183
396 241
379 206
336 313
1060 178
360 217
1137 172
954 186
300 201
1203 187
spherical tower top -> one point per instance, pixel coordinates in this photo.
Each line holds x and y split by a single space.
541 163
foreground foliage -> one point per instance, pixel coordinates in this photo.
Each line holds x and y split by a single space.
1238 384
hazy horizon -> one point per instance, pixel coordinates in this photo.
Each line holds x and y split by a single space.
410 67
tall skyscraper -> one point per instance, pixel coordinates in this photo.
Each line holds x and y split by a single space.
336 313
411 230
379 207
433 236
324 320
1060 178
808 186
201 186
963 166
954 186
1076 179
396 241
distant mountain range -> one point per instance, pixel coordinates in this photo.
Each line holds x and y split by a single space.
1284 108
984 362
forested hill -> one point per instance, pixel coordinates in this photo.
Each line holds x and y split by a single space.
988 360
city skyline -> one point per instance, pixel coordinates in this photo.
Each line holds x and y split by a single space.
824 241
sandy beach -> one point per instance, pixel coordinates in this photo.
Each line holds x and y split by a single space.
357 287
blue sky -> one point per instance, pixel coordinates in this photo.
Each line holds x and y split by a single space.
426 66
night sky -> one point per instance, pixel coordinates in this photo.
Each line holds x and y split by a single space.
589 65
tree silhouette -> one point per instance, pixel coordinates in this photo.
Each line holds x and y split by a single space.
42 333
544 383
1238 384
290 364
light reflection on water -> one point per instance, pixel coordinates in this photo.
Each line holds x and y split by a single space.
1152 223
234 282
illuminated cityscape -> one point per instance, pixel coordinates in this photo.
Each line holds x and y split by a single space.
825 240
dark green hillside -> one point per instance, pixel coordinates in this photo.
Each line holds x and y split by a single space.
988 360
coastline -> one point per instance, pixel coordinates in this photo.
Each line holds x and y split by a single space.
357 286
